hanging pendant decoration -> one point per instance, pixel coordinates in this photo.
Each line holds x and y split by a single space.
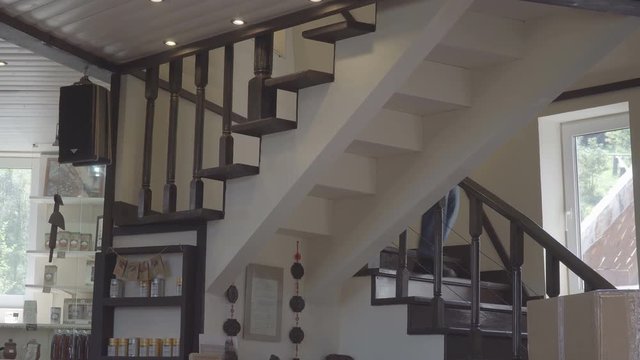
297 303
231 326
57 221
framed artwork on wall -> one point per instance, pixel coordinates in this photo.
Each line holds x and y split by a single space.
263 303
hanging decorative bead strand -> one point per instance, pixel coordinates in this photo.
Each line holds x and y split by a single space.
297 304
231 326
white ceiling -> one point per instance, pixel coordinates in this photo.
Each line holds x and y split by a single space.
29 90
121 30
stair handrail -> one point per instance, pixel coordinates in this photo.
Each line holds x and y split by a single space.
594 280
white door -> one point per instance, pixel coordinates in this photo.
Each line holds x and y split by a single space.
599 207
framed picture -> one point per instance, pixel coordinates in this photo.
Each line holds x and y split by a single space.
99 223
77 311
72 181
263 303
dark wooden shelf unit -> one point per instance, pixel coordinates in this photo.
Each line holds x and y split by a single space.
126 215
300 80
229 172
140 357
263 127
339 31
143 302
190 302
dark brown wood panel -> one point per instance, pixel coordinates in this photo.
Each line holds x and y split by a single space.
338 31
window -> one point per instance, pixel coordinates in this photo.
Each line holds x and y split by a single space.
15 188
599 204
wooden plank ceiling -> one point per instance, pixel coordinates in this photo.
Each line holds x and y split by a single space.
122 30
29 90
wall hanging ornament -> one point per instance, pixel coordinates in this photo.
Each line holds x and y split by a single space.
297 303
231 326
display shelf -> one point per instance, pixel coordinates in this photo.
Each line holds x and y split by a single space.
67 254
47 326
68 200
143 301
71 290
141 357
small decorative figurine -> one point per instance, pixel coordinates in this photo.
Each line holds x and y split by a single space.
57 221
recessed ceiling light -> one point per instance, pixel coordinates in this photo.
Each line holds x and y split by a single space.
315 1
3 63
156 1
238 21
170 43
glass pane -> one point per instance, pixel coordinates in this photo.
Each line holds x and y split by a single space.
15 187
605 199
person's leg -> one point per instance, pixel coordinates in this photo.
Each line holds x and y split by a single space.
426 246
453 208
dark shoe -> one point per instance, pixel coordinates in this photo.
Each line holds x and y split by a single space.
425 266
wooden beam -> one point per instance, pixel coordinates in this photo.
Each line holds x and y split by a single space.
599 89
621 7
30 37
249 31
191 97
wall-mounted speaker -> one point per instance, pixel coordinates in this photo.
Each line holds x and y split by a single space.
85 124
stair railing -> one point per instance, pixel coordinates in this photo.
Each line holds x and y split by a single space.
520 224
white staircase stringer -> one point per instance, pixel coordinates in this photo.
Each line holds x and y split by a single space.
368 70
559 51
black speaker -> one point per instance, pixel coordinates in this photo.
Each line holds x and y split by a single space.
85 124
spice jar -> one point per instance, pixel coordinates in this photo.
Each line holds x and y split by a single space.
116 289
144 288
10 350
112 349
157 288
167 348
155 347
144 348
179 286
123 347
176 347
134 347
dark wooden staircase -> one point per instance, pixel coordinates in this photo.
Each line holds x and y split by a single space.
482 315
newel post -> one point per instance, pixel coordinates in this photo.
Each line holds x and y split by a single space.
475 230
517 259
402 273
152 78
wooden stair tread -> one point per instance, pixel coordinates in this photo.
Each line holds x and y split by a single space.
338 31
300 80
123 216
446 280
265 126
456 304
228 172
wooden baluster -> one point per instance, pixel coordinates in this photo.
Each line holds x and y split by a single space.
553 275
175 85
475 230
151 94
201 81
517 259
438 264
226 140
262 100
402 274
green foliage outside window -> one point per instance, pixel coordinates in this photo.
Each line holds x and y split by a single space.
15 187
600 160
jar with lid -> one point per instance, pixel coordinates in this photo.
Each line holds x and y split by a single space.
157 287
167 348
134 347
155 347
10 350
176 347
112 349
144 347
116 288
144 288
123 347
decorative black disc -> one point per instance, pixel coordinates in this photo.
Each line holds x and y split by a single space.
273 357
232 294
231 327
297 271
230 355
297 304
296 335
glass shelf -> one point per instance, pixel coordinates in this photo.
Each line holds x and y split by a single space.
68 200
67 254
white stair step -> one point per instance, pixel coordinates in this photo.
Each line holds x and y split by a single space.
433 88
310 220
350 176
480 40
389 133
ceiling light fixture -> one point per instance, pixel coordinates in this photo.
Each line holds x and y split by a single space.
170 43
3 63
238 22
156 1
315 1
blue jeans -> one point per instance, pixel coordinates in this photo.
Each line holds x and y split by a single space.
428 225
